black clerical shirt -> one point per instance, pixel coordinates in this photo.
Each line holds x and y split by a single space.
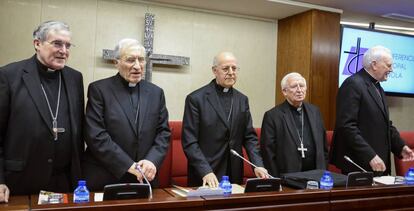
133 91
134 97
308 163
226 100
62 147
225 96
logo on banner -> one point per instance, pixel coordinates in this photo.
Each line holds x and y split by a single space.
354 61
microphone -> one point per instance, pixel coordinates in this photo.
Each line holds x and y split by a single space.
353 163
145 178
237 154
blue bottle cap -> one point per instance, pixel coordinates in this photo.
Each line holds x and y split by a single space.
410 172
81 182
225 177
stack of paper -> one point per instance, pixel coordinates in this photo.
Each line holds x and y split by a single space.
389 180
204 191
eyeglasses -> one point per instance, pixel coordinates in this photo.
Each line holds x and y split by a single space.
226 69
59 44
133 60
295 87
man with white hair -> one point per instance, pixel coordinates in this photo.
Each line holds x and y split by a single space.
41 117
126 123
363 130
293 134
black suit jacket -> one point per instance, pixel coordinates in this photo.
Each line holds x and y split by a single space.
279 139
363 128
207 136
114 141
25 123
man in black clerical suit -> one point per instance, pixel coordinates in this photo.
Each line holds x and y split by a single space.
217 119
41 115
126 123
363 130
293 137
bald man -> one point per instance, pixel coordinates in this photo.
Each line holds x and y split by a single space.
217 119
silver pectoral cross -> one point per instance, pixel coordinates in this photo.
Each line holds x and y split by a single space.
56 129
303 149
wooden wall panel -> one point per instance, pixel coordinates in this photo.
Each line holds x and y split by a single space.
325 64
293 48
308 43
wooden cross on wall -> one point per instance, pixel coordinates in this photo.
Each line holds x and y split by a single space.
152 59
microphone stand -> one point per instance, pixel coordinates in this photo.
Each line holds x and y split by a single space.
250 163
351 161
146 180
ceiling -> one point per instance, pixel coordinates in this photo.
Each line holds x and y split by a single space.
278 9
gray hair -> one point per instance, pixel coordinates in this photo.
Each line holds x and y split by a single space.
125 44
216 58
375 53
283 82
44 28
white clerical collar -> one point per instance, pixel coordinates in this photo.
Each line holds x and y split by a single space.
132 84
50 70
299 109
226 89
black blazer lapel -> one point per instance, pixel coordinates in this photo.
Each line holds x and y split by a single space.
70 86
235 112
143 103
384 103
123 98
372 90
212 98
316 140
290 124
32 82
374 94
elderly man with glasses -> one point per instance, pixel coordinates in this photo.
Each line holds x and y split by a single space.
127 129
293 134
216 120
363 129
41 116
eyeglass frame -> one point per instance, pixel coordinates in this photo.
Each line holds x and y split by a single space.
294 88
59 44
141 60
226 69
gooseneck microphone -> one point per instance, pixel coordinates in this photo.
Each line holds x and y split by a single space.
145 178
250 163
353 163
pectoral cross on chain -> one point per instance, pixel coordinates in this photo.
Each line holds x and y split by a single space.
303 149
56 129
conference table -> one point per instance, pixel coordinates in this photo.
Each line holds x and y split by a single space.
368 198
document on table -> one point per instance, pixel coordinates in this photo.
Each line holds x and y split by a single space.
385 180
204 191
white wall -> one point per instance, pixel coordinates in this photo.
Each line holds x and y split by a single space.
99 24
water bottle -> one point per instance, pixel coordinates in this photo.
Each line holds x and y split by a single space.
409 176
81 193
225 185
326 182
